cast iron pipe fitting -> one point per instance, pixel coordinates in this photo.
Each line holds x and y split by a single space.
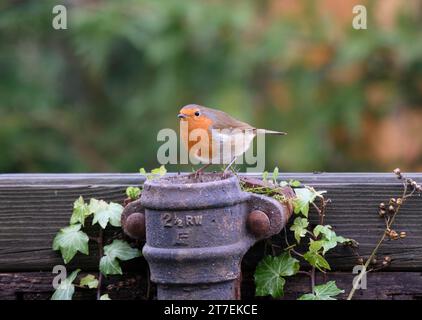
198 232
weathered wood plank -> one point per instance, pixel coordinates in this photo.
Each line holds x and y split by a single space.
317 178
380 285
38 286
34 207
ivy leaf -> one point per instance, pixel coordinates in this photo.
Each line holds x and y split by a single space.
329 237
70 240
155 173
105 297
328 245
283 183
325 230
299 227
161 171
121 250
66 289
109 266
105 213
316 260
90 281
80 211
305 196
301 203
275 175
270 272
118 249
315 245
341 239
314 257
323 292
133 192
295 183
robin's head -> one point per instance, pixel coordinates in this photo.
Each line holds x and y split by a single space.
192 113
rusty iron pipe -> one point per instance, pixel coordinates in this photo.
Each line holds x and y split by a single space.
197 232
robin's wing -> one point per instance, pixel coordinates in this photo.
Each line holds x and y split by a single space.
222 120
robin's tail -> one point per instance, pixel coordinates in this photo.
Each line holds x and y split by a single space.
264 131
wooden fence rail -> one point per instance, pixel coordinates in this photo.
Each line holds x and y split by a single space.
34 207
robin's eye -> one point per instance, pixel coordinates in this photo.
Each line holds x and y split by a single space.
197 113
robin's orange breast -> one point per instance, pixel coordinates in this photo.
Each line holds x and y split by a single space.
215 146
198 137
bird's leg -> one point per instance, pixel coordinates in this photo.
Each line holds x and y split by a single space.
200 170
226 170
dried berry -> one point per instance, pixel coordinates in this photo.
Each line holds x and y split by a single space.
387 258
399 201
382 205
394 235
414 184
397 171
402 234
391 209
374 261
381 213
384 263
392 201
360 260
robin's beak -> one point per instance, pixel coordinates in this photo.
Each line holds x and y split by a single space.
181 116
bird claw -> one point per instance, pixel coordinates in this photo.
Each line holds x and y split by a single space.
225 174
195 175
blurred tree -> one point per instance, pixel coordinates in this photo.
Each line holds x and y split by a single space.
93 97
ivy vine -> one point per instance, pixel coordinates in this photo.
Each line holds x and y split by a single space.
271 272
73 239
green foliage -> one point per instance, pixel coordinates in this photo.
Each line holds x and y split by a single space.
329 237
90 281
275 175
323 292
265 176
305 196
109 266
270 273
295 183
70 240
105 213
105 297
299 227
133 192
314 257
66 288
118 249
155 173
80 211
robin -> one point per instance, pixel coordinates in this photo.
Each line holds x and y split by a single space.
222 138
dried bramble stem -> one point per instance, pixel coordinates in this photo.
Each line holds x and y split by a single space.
389 222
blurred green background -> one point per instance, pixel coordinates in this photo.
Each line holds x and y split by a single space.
93 97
